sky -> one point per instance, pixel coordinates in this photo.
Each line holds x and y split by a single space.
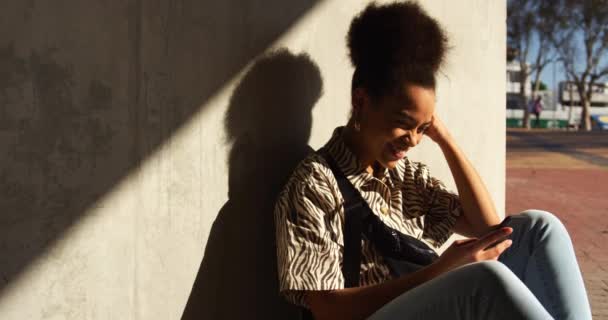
550 72
553 70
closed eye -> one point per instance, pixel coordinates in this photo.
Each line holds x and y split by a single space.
405 124
424 128
409 126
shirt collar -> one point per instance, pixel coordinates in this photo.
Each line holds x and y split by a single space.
348 162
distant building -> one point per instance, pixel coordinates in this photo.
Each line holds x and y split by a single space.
514 86
598 99
514 100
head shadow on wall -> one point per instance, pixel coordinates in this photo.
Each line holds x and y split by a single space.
268 123
75 121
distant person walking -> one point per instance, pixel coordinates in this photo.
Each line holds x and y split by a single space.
536 107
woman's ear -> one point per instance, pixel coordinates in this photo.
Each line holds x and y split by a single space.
360 100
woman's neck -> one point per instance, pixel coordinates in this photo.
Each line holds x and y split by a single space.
352 140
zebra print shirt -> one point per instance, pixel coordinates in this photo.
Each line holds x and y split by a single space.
309 218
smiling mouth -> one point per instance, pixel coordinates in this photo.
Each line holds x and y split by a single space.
396 152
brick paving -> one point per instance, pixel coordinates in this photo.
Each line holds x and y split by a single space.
566 173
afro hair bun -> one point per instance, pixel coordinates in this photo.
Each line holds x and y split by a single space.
399 35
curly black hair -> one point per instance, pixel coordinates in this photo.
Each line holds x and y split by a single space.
395 43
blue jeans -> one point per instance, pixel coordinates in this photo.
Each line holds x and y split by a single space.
536 278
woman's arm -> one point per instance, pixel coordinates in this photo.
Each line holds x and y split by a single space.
361 302
479 211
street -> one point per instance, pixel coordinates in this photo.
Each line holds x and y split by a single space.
566 173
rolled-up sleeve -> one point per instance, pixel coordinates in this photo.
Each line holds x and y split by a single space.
441 207
308 255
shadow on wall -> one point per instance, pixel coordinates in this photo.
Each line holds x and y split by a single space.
75 118
268 122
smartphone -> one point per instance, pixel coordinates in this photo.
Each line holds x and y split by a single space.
502 224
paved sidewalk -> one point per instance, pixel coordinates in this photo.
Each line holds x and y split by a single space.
566 173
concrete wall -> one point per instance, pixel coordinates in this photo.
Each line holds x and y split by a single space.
139 138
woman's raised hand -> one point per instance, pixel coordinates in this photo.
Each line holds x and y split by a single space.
489 247
437 130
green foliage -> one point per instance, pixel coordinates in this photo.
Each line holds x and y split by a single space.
542 86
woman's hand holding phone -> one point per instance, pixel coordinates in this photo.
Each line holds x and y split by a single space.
488 247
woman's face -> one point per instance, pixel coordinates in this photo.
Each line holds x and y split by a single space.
391 125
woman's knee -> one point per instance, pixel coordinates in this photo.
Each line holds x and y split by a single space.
497 286
543 220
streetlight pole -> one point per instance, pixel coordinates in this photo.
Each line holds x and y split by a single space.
554 94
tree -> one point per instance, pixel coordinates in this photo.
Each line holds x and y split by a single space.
523 24
541 85
580 38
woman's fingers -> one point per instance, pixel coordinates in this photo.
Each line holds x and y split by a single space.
492 238
497 250
489 247
462 242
